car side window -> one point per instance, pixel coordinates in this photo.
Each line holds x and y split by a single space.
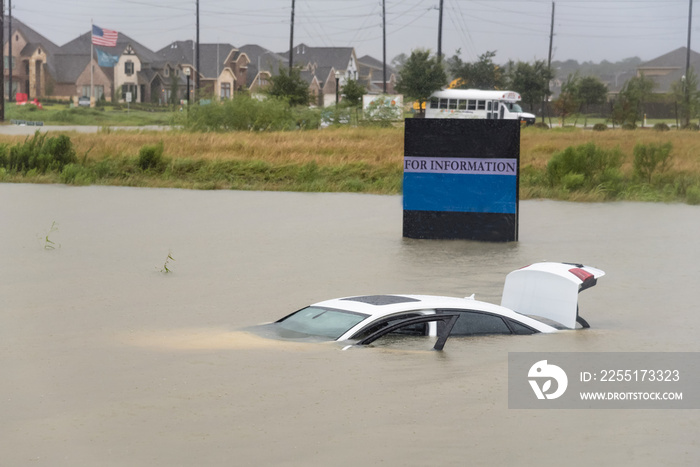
520 328
420 329
473 323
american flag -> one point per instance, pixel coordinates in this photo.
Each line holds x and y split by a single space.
105 37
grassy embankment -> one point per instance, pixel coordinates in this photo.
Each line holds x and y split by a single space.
351 160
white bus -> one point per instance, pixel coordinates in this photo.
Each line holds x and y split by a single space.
475 103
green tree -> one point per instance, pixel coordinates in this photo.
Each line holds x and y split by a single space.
567 103
482 74
530 80
290 86
629 105
398 62
352 93
685 94
590 91
421 76
174 97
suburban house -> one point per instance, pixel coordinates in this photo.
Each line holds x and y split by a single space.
32 63
263 65
323 63
371 75
669 68
135 72
130 71
223 67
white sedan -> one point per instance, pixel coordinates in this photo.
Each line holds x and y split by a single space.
542 297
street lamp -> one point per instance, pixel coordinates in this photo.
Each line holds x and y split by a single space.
186 70
337 90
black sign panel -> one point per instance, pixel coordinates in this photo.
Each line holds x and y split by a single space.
461 179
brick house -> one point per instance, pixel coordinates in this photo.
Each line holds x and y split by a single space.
223 67
32 63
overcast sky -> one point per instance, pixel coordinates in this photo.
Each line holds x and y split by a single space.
584 30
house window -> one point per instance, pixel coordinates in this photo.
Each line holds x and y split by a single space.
167 71
128 68
225 90
86 91
99 91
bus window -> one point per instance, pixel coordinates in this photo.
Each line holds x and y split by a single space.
462 104
453 104
471 105
434 102
488 106
443 103
481 105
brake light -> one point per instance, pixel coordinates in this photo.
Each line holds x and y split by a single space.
582 274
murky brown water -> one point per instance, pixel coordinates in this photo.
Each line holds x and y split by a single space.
107 361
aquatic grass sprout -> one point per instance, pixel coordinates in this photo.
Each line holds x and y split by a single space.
165 269
48 243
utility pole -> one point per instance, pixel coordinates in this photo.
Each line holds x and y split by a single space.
196 76
686 113
2 62
384 43
291 41
10 93
549 61
439 51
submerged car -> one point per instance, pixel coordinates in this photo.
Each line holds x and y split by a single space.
542 297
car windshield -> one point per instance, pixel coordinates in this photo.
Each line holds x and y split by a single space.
514 107
324 322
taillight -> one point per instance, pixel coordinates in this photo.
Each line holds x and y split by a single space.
582 274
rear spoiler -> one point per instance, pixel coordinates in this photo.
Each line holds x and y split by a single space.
549 290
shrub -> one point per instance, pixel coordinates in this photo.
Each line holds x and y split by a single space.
661 127
573 181
692 127
600 127
692 195
587 160
541 125
629 126
245 113
151 156
650 157
39 153
77 175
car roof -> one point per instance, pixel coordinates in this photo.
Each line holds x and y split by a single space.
379 306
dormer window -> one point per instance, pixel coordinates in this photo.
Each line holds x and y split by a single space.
128 68
167 71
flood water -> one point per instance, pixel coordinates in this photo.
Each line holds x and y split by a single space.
108 361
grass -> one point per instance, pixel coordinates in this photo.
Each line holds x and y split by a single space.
64 114
363 159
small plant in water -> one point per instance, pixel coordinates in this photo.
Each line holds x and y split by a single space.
48 244
165 269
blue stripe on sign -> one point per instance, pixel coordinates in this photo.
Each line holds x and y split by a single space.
459 193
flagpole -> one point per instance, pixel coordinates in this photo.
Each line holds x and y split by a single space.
91 67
